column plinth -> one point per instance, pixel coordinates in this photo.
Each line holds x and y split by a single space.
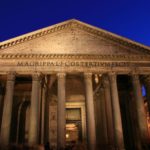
118 132
91 133
7 110
61 116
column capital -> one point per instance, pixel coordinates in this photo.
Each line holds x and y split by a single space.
36 76
61 75
135 76
11 76
112 73
112 76
105 80
88 75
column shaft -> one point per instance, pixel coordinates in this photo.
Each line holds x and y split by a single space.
118 132
1 102
61 122
91 133
46 119
34 111
43 113
104 134
139 104
148 94
108 105
7 110
98 118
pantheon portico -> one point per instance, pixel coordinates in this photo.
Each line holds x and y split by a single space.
74 84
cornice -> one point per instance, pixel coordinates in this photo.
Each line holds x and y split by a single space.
77 24
77 56
34 35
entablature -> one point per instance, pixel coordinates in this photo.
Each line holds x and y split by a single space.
53 63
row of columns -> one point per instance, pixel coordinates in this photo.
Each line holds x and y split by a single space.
111 123
91 138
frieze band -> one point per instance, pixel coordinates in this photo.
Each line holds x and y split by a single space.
78 64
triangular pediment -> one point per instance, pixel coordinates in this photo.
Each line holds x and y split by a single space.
72 37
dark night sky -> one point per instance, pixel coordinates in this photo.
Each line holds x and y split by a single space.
128 18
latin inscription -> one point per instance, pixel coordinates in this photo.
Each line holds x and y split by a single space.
73 64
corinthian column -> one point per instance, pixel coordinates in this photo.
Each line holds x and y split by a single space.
118 133
108 105
7 110
34 111
90 112
61 117
1 102
139 104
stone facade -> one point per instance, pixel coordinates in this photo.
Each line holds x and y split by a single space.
73 65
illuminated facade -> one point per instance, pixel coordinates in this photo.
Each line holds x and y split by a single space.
74 84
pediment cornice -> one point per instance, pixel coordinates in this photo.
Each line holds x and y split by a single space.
79 56
76 24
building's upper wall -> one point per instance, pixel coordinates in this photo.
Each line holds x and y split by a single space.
71 40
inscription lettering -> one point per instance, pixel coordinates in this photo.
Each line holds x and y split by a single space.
72 64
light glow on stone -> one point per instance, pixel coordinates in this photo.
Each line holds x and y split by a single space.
67 136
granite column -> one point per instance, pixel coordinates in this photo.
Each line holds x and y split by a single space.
34 111
7 110
141 113
91 133
118 131
61 122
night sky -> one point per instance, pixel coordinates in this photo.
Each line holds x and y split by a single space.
128 18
